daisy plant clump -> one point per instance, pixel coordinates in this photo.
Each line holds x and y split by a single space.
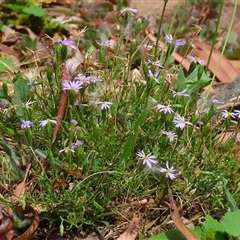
125 126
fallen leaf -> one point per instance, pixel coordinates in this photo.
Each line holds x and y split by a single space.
5 225
20 188
177 219
132 230
31 34
29 233
226 72
236 65
73 63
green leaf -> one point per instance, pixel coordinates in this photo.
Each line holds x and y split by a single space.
129 145
35 11
198 232
200 71
211 226
142 118
232 37
19 222
141 236
181 82
194 84
169 235
21 89
6 64
41 153
229 196
230 223
14 7
15 172
29 43
133 137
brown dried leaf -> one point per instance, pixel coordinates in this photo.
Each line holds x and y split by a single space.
177 219
20 188
236 65
29 233
226 72
132 230
73 63
5 226
31 34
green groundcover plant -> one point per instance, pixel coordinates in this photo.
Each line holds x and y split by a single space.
211 229
125 131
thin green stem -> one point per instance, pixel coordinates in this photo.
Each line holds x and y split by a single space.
159 29
224 46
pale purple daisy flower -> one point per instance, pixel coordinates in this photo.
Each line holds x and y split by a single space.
128 9
78 128
180 122
177 43
169 38
94 79
71 85
166 109
82 79
214 100
236 113
66 42
153 76
74 122
236 137
148 160
150 45
109 43
195 59
227 114
178 94
155 63
86 80
47 121
171 135
78 143
3 105
26 124
66 150
170 172
104 105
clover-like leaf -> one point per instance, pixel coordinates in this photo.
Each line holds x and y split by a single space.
169 235
35 11
230 223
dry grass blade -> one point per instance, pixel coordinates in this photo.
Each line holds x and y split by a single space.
61 107
177 219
